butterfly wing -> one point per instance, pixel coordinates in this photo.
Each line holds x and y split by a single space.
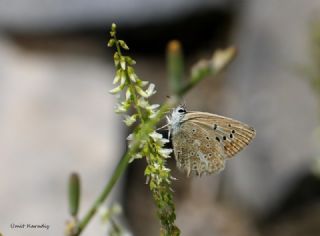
196 151
233 135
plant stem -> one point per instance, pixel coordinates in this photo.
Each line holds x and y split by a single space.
122 165
175 65
194 80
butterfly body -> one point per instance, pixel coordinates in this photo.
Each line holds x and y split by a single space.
203 141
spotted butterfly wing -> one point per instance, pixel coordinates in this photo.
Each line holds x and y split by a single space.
232 135
195 150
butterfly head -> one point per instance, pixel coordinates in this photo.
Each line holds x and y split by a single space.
176 117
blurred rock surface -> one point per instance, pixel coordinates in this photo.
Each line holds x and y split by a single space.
265 90
56 116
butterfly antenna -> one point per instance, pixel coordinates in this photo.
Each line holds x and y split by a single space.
166 125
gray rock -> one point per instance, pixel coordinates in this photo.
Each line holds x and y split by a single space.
265 90
56 116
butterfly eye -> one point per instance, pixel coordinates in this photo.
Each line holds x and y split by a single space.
181 110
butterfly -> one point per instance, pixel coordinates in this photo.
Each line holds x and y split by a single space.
203 141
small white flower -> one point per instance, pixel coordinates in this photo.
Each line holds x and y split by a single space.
130 137
222 57
117 77
156 166
158 138
155 136
116 59
150 90
158 180
123 78
120 108
135 156
123 63
153 107
141 92
153 114
144 83
143 102
116 90
103 211
116 208
123 44
165 152
129 120
128 94
133 77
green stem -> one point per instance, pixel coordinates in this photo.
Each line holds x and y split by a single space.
115 226
104 194
145 130
194 80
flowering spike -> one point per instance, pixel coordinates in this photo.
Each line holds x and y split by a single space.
150 144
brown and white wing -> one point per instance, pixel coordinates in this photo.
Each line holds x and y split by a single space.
233 135
196 151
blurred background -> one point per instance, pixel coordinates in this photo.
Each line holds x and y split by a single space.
56 115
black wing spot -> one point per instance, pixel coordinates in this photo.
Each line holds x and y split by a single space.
229 125
217 138
207 138
215 126
233 131
224 138
231 136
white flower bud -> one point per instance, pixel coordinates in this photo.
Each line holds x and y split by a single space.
150 90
